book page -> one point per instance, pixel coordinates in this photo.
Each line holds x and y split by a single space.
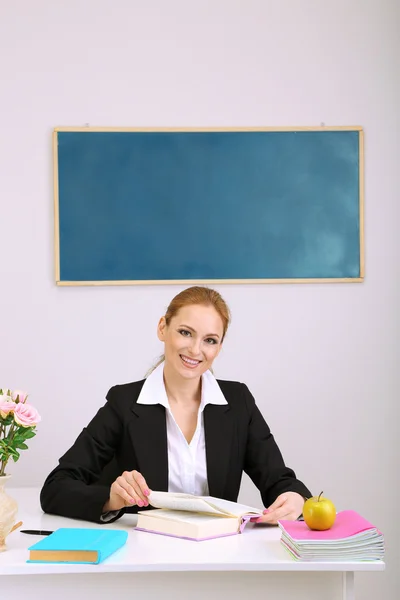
182 516
232 508
182 502
201 504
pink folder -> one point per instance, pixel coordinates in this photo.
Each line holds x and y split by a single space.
347 524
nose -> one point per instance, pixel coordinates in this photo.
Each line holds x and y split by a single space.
194 346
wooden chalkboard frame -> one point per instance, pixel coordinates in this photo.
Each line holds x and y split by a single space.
61 282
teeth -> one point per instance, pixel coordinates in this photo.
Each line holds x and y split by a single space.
188 360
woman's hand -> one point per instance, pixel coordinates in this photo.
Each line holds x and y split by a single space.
129 489
288 505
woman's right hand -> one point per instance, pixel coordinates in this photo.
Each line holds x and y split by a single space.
129 489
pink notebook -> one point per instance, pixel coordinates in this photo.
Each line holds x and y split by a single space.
347 524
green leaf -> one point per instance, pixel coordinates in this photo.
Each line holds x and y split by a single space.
23 434
29 433
21 446
15 456
3 445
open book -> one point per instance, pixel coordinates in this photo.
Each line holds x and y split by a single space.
194 517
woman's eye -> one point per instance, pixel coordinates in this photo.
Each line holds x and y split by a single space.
211 341
184 332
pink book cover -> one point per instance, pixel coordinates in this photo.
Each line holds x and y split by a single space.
347 524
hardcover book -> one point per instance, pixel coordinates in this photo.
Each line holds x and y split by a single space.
194 517
72 545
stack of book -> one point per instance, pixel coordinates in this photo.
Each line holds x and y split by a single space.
351 538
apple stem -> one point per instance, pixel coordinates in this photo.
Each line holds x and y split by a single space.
320 496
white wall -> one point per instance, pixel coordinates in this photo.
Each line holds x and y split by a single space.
322 360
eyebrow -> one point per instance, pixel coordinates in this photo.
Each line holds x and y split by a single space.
191 329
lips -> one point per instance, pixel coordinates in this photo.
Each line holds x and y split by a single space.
189 362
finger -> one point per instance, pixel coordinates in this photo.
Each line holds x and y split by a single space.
284 513
121 489
131 489
134 489
140 480
273 516
264 519
270 519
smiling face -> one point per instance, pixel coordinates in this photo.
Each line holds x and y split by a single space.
192 340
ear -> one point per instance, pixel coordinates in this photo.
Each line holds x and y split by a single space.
161 329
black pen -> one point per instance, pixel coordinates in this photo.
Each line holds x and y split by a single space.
36 531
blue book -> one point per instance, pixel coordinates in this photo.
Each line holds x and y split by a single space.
71 545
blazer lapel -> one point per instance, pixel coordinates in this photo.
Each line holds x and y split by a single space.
218 431
148 431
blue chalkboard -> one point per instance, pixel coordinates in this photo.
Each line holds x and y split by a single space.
136 206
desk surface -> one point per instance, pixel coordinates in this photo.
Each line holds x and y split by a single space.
258 548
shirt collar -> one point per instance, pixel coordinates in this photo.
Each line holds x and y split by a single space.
153 390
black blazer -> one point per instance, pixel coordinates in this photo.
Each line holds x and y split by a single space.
125 435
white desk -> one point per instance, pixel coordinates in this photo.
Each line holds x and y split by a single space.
251 565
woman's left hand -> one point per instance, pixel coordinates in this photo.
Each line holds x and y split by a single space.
288 505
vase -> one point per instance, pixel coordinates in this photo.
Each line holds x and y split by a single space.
8 511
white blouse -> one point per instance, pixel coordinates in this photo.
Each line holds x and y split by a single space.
187 469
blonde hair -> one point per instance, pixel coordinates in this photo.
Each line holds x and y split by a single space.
196 295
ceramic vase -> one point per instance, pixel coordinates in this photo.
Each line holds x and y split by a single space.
8 511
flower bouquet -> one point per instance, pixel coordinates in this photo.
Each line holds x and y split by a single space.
18 421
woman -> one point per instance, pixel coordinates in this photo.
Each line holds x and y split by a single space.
179 430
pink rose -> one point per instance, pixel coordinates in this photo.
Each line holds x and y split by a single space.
22 396
26 415
6 405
